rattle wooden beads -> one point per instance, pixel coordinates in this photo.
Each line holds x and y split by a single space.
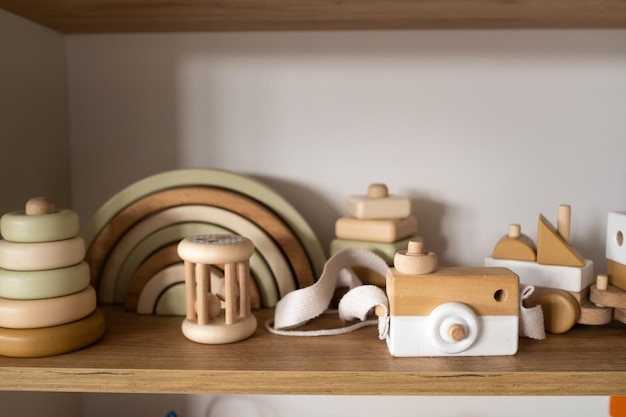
414 260
204 322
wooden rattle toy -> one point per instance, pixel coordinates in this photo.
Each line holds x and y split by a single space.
206 322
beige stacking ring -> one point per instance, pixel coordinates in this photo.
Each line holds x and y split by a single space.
47 283
31 314
55 340
38 256
17 226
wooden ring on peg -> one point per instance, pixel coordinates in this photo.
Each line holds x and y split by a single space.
17 226
38 256
31 314
55 340
414 260
215 249
47 283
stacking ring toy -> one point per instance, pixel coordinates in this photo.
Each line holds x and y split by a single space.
38 256
31 314
48 283
48 341
18 226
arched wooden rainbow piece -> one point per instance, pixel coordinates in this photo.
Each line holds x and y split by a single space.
135 237
295 239
174 233
167 256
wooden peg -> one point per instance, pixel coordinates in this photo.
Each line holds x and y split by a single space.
38 206
564 218
456 332
515 231
602 282
415 260
377 190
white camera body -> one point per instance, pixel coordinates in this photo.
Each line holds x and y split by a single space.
453 312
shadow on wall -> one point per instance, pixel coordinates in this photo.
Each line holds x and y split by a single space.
430 214
318 211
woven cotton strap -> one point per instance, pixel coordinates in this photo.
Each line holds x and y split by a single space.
299 306
531 323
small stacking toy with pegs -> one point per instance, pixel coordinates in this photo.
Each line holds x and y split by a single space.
47 305
378 222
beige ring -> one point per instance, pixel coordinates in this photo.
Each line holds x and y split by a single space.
48 341
215 249
47 283
38 256
31 314
17 226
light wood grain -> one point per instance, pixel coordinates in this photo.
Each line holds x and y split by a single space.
91 16
149 354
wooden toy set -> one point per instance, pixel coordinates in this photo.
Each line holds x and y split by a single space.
211 246
563 278
47 305
461 311
378 222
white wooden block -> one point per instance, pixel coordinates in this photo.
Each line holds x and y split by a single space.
567 278
615 237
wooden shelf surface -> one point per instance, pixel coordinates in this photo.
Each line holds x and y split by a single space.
104 16
149 354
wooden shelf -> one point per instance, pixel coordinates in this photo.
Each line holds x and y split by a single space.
149 354
93 16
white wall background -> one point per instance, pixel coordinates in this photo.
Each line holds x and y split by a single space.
480 128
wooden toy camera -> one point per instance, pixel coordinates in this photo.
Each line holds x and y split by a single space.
462 311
